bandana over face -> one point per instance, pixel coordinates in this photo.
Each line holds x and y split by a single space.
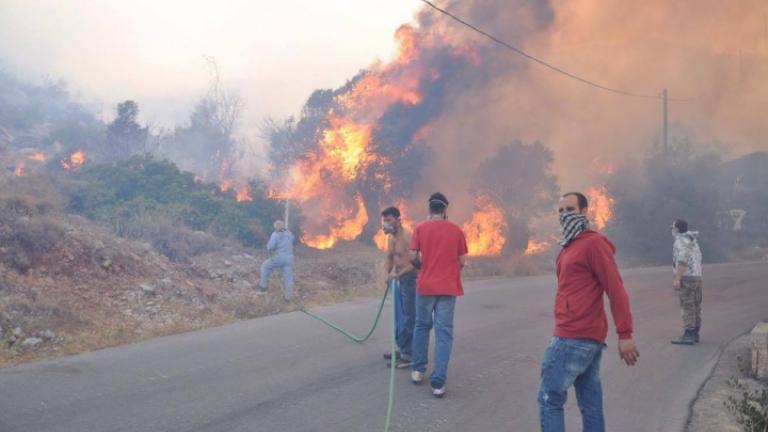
572 224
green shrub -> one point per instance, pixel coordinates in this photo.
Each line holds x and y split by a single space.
751 408
164 233
130 195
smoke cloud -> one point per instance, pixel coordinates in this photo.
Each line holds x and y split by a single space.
711 52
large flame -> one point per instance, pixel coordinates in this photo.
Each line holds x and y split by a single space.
600 206
322 177
485 230
342 152
74 160
347 227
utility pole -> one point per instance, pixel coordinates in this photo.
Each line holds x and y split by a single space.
665 128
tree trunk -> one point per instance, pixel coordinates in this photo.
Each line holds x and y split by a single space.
371 203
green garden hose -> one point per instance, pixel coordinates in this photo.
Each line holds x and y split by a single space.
391 286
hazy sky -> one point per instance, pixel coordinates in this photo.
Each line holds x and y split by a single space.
274 52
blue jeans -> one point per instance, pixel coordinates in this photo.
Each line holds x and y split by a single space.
571 362
405 312
437 310
285 264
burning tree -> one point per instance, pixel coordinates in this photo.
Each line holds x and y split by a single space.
362 145
518 179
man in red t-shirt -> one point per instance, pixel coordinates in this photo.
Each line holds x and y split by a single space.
440 247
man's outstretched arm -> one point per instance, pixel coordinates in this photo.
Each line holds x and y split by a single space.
604 265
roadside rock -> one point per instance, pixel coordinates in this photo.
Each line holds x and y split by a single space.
31 342
759 345
147 289
242 284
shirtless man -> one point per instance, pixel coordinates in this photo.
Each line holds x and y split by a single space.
399 267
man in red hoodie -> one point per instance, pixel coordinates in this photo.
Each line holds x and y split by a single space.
586 270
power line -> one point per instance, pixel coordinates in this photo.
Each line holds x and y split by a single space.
544 63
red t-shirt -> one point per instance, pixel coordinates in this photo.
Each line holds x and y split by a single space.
440 243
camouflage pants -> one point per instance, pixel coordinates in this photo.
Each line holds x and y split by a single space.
690 302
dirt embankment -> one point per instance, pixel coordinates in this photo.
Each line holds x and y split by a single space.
68 285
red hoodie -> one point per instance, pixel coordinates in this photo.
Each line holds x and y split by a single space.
585 270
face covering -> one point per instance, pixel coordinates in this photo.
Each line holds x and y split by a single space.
387 228
572 224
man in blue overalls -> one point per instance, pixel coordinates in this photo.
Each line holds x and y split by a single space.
280 248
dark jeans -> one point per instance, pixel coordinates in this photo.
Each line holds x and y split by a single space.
405 312
571 362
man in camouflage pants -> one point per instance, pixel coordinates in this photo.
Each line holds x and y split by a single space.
687 264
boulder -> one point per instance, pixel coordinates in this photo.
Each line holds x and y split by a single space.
759 344
147 289
31 342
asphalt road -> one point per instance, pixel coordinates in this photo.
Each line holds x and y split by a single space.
289 373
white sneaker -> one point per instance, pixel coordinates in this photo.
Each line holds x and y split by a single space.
417 377
438 393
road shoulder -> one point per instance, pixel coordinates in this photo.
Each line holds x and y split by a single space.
708 411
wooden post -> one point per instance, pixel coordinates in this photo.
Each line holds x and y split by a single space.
665 127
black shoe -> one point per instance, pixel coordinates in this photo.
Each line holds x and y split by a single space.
696 335
687 338
388 355
400 363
